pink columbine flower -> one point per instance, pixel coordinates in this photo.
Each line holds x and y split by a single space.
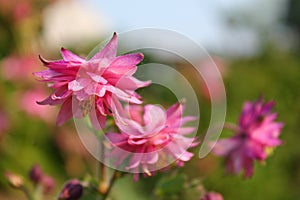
97 84
257 133
151 138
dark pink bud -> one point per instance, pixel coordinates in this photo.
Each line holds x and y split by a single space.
72 190
35 174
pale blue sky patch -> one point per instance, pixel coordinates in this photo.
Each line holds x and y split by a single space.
203 21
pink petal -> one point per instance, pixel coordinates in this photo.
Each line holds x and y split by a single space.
131 83
78 84
224 146
186 130
154 118
65 112
150 158
135 161
123 95
179 152
115 138
136 141
97 78
125 64
69 56
97 119
135 113
109 51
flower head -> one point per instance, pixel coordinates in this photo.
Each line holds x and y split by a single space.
257 133
96 84
151 138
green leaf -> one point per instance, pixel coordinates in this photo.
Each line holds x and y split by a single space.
170 185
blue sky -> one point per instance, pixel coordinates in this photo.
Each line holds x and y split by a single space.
203 21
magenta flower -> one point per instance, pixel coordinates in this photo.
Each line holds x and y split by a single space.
151 138
212 196
257 133
98 83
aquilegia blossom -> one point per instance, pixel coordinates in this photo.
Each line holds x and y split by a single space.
151 138
97 83
257 133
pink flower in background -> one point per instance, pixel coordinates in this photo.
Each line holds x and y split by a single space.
18 10
97 83
19 68
257 133
212 196
150 137
22 10
29 105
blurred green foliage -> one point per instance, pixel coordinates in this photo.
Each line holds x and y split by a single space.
276 76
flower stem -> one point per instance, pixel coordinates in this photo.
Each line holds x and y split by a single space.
26 192
111 183
102 171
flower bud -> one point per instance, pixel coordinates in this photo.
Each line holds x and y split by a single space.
72 190
15 180
35 174
48 184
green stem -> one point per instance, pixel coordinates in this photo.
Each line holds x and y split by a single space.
102 170
111 183
26 192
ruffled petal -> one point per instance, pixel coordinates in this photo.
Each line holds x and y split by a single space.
65 112
69 56
154 119
109 51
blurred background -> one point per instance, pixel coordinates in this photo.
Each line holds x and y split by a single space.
256 45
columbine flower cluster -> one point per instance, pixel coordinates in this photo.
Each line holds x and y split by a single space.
148 137
96 87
